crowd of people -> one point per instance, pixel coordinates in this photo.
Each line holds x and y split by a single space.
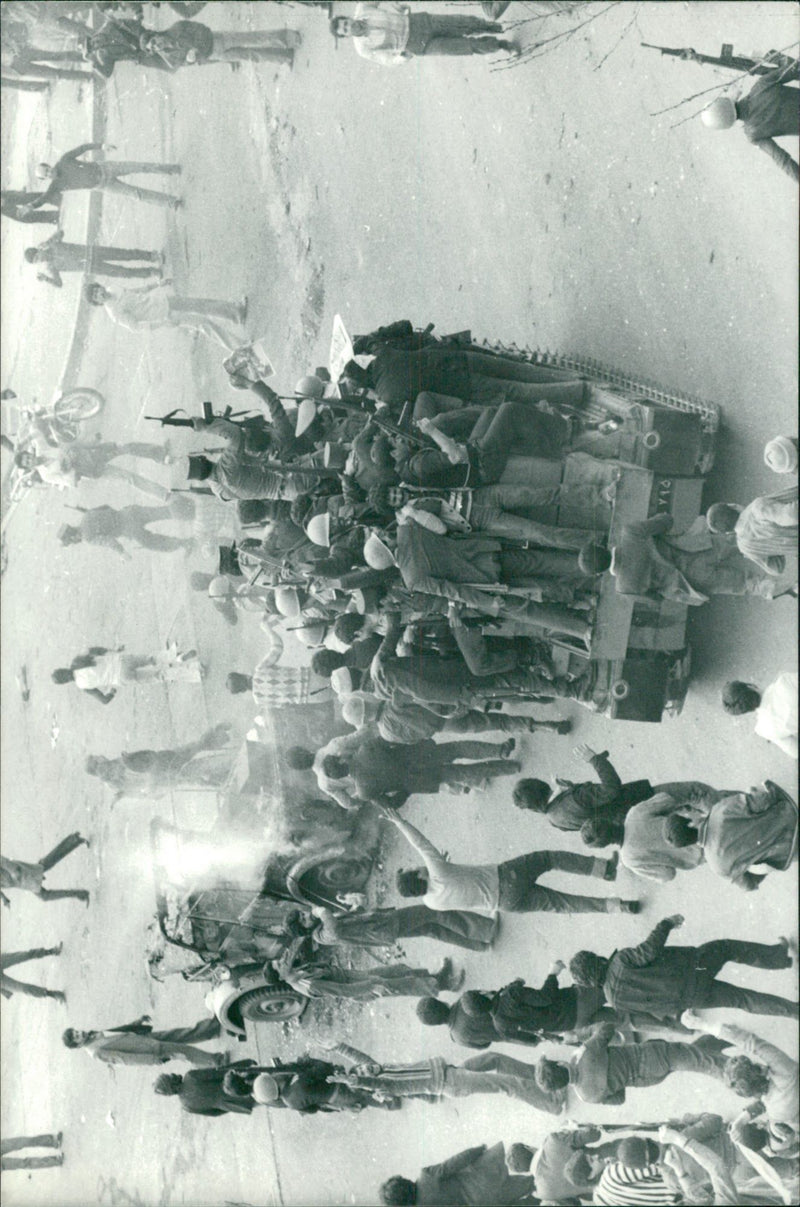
376 517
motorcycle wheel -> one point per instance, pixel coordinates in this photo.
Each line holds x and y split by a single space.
77 405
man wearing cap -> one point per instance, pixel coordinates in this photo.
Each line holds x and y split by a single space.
303 1085
389 33
207 1091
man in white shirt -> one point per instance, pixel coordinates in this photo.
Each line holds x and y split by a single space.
775 709
510 886
389 33
151 306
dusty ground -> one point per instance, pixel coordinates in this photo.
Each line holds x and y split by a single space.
543 204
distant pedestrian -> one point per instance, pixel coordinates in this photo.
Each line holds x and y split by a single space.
100 672
138 1044
389 33
190 42
16 874
98 259
72 173
12 1144
93 460
17 206
775 709
152 773
150 307
9 985
110 526
769 111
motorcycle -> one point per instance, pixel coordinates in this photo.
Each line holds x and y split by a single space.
59 423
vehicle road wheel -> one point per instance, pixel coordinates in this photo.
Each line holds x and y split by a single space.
270 1004
320 883
77 405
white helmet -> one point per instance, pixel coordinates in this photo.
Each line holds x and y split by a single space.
720 114
780 455
376 554
310 386
287 601
312 635
318 529
359 708
220 587
342 681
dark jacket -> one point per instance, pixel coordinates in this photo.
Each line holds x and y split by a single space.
652 978
201 1092
610 798
304 1084
399 376
525 1015
477 1176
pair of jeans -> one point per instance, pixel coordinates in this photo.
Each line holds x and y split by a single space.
711 993
520 892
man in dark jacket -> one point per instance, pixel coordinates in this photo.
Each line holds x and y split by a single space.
476 1176
665 981
577 803
516 1014
73 172
202 1091
304 1086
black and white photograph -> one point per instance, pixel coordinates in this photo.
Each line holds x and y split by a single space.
399 573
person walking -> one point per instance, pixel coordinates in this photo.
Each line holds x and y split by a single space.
665 981
72 172
13 1144
517 1013
16 874
386 773
93 460
17 205
109 526
186 43
153 773
9 985
385 927
101 672
605 1069
389 33
151 307
404 723
577 803
97 258
510 887
138 1044
488 1073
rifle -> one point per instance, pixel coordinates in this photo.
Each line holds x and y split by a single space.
726 58
169 419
